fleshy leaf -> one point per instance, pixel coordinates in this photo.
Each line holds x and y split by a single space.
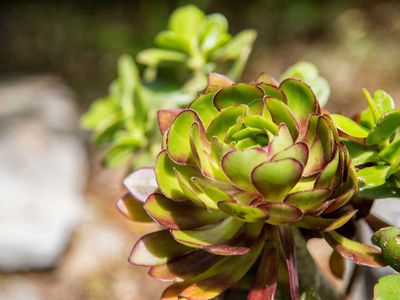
307 200
329 177
214 235
224 120
237 94
281 141
387 288
156 248
132 208
239 164
179 215
325 224
348 126
178 139
141 183
298 151
205 108
337 264
276 179
280 113
373 176
300 99
384 128
218 81
242 212
354 251
388 239
186 21
259 122
391 152
166 117
281 213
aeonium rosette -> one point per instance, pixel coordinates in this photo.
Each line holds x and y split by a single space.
239 169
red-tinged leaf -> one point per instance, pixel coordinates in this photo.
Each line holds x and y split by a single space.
308 200
178 137
274 180
241 243
212 235
259 122
298 151
280 113
217 81
179 215
166 177
300 99
288 249
156 248
273 91
358 253
185 267
205 108
337 265
132 208
265 283
141 183
238 165
330 177
165 118
341 200
268 79
281 213
242 212
237 94
229 273
281 141
325 224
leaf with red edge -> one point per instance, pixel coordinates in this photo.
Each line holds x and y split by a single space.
298 151
340 200
265 283
242 212
241 243
179 215
325 224
280 113
207 287
132 208
238 165
205 108
358 253
309 199
156 248
165 118
237 94
300 99
276 179
217 81
281 141
186 266
212 235
141 183
281 213
178 138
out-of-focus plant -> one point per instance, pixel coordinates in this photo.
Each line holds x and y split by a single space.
246 174
194 45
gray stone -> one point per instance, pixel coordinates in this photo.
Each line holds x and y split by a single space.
42 172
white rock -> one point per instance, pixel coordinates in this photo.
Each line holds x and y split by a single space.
41 175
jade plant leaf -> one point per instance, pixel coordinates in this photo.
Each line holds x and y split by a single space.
387 288
349 127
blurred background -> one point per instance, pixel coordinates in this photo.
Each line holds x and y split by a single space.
60 235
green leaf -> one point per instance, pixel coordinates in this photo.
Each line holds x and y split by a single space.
173 41
384 102
214 34
310 74
391 152
280 113
388 239
186 21
360 153
179 215
238 165
298 151
281 213
99 111
154 56
300 99
237 94
205 108
387 288
156 248
373 176
385 127
132 208
214 235
119 153
224 120
274 180
348 126
307 200
242 212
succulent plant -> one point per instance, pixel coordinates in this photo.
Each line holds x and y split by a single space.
373 141
242 168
